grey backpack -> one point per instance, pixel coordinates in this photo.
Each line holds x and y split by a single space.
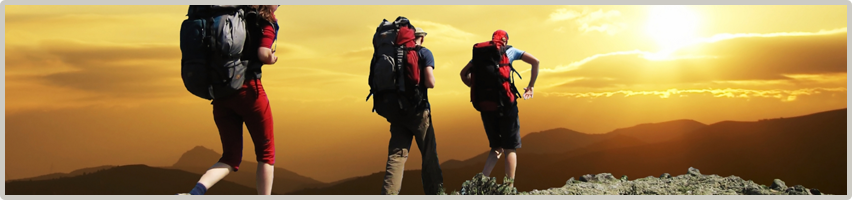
211 44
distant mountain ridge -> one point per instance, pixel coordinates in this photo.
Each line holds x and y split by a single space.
190 166
199 159
804 150
71 174
123 180
562 140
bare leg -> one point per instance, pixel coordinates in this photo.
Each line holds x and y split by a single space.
511 163
492 160
265 173
216 173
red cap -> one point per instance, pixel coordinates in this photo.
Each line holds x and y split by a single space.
500 35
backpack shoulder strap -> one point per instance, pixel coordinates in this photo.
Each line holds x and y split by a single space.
417 50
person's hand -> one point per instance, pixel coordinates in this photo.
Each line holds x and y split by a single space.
274 59
528 93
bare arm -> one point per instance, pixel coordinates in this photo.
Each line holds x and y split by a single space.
529 58
266 55
430 77
465 74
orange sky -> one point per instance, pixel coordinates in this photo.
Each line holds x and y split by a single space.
100 85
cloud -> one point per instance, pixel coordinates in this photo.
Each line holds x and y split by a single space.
588 21
289 52
564 14
361 53
783 95
443 31
727 36
139 70
737 59
819 78
131 27
57 10
587 82
576 65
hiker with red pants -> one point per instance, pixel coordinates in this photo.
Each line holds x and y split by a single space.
400 90
490 76
249 105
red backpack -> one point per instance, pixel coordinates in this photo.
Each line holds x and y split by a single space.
493 86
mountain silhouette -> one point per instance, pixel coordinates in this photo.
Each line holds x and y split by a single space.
199 159
71 174
660 132
554 141
123 180
805 150
563 140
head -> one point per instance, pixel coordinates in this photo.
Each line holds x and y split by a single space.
500 36
419 35
267 12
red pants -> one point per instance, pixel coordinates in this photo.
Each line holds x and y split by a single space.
250 106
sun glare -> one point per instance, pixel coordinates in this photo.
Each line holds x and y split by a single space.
672 27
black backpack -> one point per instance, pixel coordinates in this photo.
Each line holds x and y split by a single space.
493 86
394 72
211 44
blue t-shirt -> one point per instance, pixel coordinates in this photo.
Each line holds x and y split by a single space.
426 59
514 54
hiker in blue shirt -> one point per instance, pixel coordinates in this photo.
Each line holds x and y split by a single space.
499 117
418 127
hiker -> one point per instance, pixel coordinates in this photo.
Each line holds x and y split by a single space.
249 105
409 117
493 94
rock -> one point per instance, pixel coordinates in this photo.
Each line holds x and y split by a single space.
605 177
798 190
483 185
587 178
778 184
606 184
598 178
570 181
694 172
755 191
814 191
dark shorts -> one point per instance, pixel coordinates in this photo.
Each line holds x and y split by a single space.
503 131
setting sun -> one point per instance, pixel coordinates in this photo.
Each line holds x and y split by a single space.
672 27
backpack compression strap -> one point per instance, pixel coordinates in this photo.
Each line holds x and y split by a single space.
512 72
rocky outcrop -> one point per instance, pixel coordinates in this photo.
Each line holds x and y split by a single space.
692 183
